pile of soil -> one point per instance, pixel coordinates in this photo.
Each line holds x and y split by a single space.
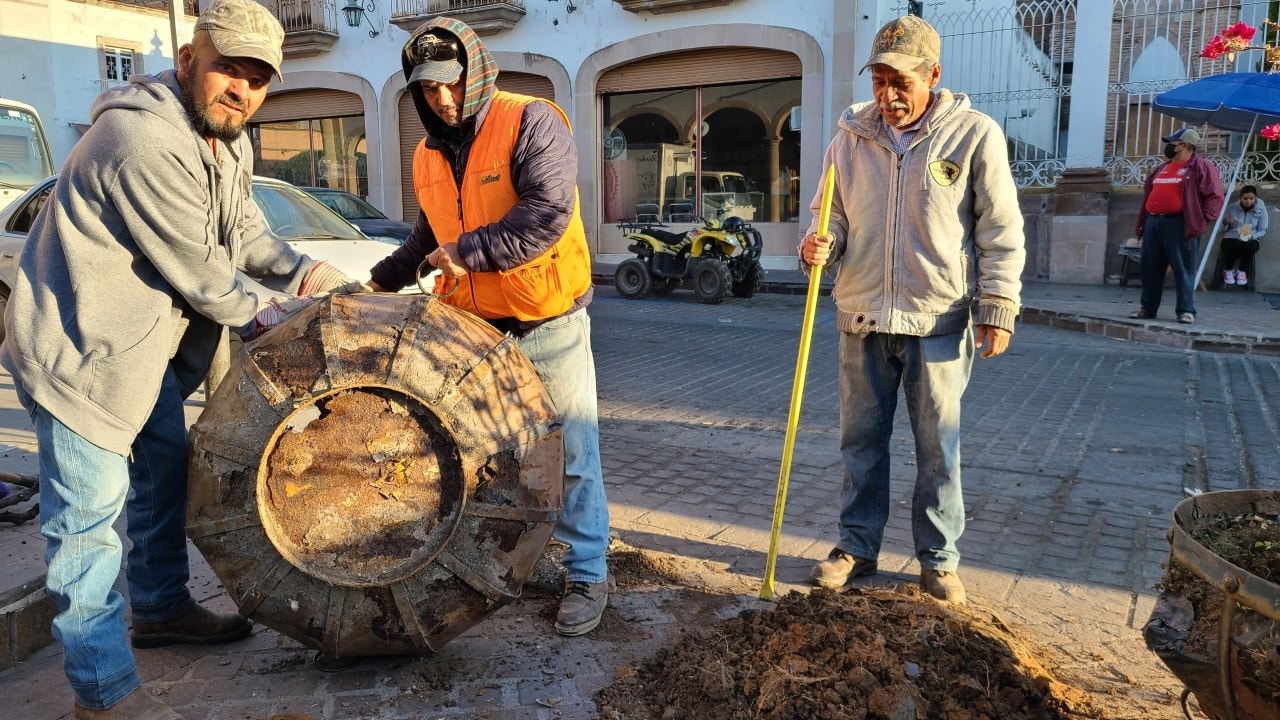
861 654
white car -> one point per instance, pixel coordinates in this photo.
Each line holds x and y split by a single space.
293 215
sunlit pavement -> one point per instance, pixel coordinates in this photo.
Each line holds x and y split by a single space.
1076 448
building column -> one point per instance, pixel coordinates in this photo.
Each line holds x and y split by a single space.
775 172
1091 71
1076 251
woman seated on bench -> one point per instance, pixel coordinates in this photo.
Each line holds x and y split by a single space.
1246 223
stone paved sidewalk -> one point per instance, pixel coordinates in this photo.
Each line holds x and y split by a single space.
1076 448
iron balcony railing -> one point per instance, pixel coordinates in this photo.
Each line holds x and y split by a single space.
306 15
419 8
189 7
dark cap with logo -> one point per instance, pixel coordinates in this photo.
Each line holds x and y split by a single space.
435 57
905 44
243 28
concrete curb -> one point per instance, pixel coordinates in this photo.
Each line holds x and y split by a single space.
26 618
1154 332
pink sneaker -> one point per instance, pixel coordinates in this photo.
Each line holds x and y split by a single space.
1229 277
1241 278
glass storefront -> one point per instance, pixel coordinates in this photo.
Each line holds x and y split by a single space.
719 151
323 152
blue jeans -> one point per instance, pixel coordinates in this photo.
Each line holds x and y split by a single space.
83 489
1164 246
560 351
934 372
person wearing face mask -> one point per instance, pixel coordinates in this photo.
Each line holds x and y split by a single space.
1181 198
927 243
1246 223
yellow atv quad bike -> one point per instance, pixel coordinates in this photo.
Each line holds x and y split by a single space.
717 258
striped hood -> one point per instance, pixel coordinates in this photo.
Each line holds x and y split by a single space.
478 69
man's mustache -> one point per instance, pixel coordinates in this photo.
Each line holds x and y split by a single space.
240 105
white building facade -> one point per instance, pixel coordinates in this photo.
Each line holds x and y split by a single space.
680 108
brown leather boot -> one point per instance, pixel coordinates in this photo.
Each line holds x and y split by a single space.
137 705
944 585
839 568
193 626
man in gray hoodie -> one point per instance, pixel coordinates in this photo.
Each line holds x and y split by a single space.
925 234
125 283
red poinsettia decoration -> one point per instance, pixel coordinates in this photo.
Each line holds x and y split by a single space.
1231 41
1240 31
1216 48
1237 38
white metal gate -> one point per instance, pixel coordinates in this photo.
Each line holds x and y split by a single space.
1155 47
1014 63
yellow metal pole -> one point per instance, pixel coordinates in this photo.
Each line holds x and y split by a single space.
797 390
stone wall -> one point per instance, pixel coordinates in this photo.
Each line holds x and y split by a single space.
1064 228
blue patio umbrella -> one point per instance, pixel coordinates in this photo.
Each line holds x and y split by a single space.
1236 102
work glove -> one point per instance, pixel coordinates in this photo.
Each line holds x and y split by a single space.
273 313
325 278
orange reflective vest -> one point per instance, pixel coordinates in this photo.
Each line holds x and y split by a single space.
541 288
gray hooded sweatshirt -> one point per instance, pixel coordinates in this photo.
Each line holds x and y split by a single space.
131 265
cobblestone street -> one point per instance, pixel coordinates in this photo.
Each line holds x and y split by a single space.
1076 448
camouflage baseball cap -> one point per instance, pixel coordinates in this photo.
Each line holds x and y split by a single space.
243 28
905 44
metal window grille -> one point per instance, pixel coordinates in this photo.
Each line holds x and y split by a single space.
1014 63
119 63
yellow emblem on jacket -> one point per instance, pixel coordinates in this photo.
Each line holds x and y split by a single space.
944 172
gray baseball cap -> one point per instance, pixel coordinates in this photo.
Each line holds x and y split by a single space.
243 28
905 44
1184 134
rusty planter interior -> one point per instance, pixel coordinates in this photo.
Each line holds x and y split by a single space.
1218 684
376 475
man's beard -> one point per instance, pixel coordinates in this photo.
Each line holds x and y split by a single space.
203 120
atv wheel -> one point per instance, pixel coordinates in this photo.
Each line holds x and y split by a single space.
751 282
711 281
631 278
663 286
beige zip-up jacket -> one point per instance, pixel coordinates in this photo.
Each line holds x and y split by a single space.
922 237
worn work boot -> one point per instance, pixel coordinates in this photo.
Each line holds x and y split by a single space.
582 606
137 705
839 568
944 585
193 626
